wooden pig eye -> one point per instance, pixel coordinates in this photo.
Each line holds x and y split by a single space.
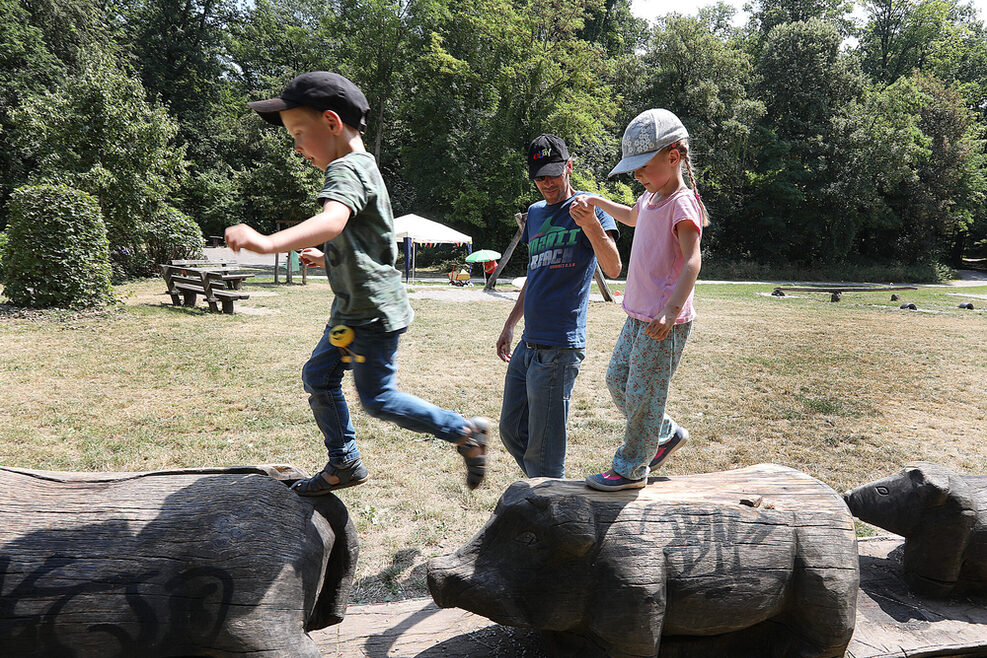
883 491
526 538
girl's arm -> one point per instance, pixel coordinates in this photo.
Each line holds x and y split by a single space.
624 214
688 236
317 229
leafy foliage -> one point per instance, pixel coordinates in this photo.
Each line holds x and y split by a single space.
810 148
100 135
57 254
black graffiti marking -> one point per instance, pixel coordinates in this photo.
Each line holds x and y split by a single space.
187 594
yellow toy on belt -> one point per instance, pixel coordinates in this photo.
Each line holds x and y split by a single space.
341 336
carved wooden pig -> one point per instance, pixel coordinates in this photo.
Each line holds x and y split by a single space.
942 516
216 562
755 562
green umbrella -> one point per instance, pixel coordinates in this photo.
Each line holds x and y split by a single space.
483 256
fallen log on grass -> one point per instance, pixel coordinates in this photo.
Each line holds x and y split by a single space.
760 561
216 562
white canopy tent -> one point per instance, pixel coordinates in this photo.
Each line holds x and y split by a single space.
413 230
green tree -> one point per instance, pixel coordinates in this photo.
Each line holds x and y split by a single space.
696 68
806 82
493 76
99 134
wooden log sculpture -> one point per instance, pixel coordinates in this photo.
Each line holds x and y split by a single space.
760 561
942 516
216 562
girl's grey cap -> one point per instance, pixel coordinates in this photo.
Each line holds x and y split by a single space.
648 133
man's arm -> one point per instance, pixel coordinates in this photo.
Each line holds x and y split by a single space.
603 244
506 339
315 230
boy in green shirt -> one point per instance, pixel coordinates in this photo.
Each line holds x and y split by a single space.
326 115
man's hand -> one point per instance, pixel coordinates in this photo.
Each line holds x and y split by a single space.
242 236
313 257
504 343
582 211
660 326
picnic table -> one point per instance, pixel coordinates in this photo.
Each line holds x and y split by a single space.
229 270
218 282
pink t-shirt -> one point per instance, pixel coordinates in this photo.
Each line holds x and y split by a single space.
656 257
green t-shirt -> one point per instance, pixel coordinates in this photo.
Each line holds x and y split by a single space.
360 260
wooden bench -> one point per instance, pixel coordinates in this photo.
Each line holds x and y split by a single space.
185 285
228 270
836 292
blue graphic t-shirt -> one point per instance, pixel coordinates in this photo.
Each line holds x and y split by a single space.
561 263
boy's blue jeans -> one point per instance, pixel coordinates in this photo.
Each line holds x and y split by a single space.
376 384
536 407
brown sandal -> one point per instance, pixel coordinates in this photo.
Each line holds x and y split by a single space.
476 464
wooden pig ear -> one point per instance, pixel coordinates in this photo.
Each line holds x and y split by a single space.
932 482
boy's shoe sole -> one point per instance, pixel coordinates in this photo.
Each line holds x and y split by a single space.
317 485
476 465
610 481
666 449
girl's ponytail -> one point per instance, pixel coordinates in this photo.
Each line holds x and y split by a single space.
684 146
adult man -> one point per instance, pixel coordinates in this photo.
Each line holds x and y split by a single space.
562 256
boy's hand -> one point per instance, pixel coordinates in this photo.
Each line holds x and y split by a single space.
659 327
242 236
504 343
313 257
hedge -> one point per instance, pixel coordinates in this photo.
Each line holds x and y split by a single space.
57 254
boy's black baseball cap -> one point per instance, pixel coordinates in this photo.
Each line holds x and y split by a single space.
547 156
322 91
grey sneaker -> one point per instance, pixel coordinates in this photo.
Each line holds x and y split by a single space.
666 449
333 477
613 481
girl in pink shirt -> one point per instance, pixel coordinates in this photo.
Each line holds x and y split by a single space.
668 219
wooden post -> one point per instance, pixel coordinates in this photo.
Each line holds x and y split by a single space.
520 219
602 282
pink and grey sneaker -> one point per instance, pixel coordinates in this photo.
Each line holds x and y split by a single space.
613 481
665 450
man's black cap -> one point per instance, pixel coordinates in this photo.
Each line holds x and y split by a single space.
547 156
322 91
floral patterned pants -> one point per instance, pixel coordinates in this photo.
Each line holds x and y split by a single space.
638 377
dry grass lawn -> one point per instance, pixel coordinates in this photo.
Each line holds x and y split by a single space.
845 391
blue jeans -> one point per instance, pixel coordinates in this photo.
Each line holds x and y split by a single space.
536 407
375 381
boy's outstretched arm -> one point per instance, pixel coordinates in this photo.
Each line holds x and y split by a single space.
315 230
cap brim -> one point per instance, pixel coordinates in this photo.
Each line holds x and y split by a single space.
547 169
270 110
631 163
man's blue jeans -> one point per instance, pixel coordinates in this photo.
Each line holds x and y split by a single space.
536 407
376 384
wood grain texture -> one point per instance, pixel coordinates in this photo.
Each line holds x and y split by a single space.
686 564
205 561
